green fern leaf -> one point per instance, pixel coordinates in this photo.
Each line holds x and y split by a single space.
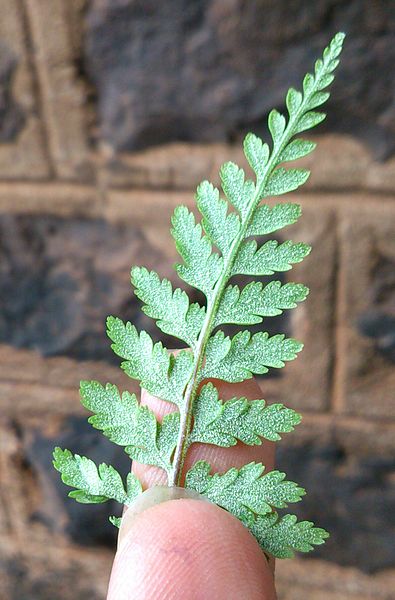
268 219
242 356
127 423
159 372
297 149
116 521
256 152
282 536
225 423
271 257
172 310
94 484
237 189
256 301
201 267
244 492
310 120
285 180
220 227
277 123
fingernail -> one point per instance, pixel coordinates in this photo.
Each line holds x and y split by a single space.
151 497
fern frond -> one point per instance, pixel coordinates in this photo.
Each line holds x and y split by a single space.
220 226
212 252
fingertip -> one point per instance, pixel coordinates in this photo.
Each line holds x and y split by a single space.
189 549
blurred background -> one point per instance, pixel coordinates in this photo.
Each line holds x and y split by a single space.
111 111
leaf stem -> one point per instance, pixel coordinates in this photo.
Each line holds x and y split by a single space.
186 412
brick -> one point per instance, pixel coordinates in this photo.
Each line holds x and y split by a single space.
23 155
17 490
177 166
29 399
344 583
138 204
347 468
28 366
52 570
61 199
62 94
338 163
366 319
31 385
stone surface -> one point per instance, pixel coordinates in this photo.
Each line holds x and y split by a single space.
208 70
60 278
366 378
11 115
60 199
62 92
22 144
345 493
44 571
299 579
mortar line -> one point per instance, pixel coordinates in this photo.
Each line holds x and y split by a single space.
337 392
36 85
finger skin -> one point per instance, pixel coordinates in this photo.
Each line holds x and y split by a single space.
189 550
221 459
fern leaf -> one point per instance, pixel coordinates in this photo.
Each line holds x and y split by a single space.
201 267
256 301
268 219
94 484
237 189
116 521
159 372
271 257
297 149
171 309
220 227
244 492
127 423
309 120
242 356
225 423
282 536
285 180
256 152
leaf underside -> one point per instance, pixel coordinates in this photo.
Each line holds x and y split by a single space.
226 241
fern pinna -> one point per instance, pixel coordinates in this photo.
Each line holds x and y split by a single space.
230 226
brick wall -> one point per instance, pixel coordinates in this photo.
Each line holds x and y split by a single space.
78 206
